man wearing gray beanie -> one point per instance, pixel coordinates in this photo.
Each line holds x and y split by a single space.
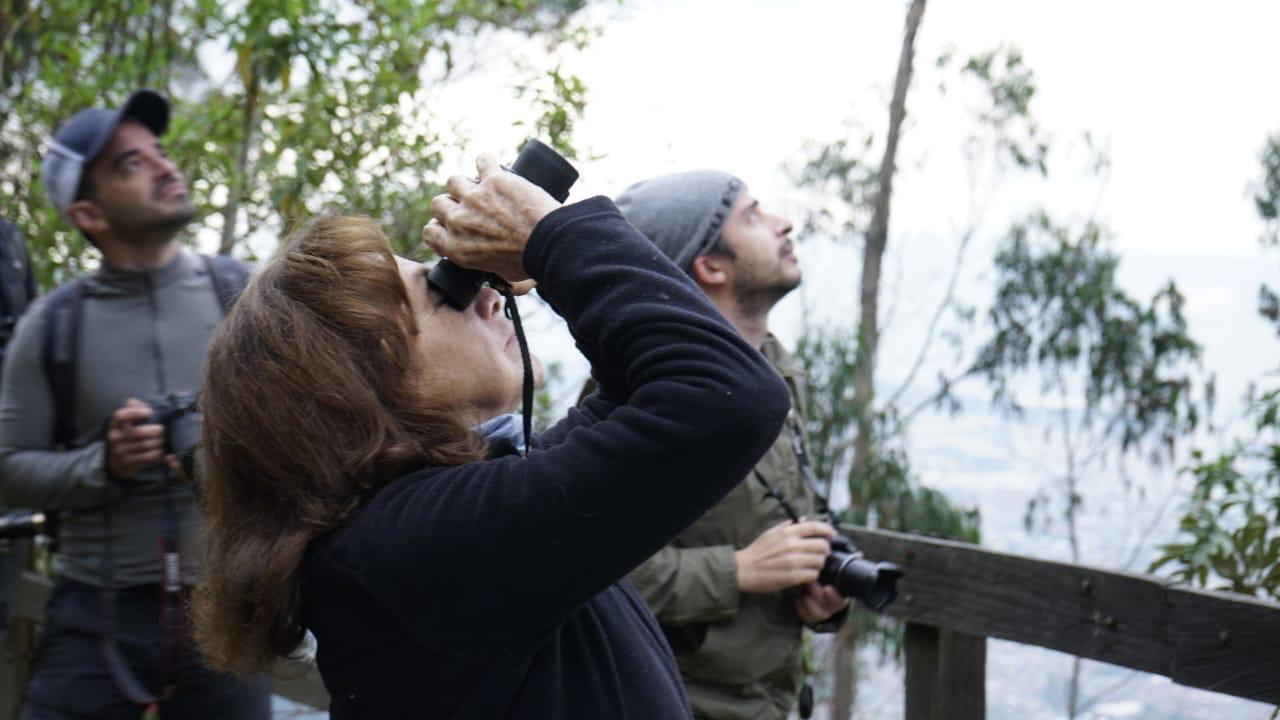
735 589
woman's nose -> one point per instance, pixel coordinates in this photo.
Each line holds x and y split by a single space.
488 303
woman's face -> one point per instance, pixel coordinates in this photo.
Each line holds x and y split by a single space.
467 361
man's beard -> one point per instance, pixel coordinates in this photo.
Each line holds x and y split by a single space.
148 224
758 291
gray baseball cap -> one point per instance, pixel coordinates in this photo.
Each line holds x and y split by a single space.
79 141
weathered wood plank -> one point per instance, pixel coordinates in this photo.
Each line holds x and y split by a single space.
1124 619
920 648
945 674
962 676
1231 648
1113 617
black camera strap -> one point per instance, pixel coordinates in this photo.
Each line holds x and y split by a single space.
796 435
820 494
526 389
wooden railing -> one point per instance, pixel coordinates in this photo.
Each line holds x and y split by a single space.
954 596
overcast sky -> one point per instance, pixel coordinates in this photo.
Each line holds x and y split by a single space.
1182 95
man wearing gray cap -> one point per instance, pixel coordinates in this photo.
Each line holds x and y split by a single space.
98 384
735 589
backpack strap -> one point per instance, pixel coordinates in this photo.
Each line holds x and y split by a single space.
228 277
61 330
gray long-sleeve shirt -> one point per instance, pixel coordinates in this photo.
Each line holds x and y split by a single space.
141 334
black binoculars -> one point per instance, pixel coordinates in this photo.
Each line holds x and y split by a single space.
541 166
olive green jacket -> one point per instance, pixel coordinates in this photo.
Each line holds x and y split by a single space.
739 654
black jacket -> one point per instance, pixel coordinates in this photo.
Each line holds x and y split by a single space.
17 281
495 589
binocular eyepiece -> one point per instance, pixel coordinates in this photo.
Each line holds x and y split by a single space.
541 166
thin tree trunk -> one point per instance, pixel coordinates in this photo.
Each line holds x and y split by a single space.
1073 537
1073 690
868 329
231 211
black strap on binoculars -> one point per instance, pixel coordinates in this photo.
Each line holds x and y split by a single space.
526 390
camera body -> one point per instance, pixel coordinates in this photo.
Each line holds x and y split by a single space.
874 584
538 164
181 420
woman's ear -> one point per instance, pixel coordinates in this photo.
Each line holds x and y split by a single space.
87 217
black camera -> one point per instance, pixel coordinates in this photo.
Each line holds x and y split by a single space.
874 584
181 421
541 166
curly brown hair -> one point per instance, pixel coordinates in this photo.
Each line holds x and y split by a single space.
308 407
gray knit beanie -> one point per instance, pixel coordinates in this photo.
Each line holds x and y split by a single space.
682 213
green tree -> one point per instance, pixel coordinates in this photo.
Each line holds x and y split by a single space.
1266 199
860 438
282 109
1229 535
1121 372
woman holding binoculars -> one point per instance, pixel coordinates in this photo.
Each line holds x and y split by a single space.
353 487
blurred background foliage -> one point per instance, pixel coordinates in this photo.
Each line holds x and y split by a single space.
281 108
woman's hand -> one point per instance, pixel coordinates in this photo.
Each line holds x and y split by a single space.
485 224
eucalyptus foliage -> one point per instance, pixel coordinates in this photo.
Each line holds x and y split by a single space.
283 108
1266 199
1229 534
1060 313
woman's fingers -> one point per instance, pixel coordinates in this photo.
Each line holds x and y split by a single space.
487 165
435 236
524 287
458 186
442 207
485 224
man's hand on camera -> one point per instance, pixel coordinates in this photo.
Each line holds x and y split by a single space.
131 446
484 224
818 603
783 556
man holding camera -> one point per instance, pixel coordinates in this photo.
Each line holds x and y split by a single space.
734 590
98 393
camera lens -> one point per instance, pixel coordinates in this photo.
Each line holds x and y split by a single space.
874 584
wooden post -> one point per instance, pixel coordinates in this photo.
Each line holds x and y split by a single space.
946 674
